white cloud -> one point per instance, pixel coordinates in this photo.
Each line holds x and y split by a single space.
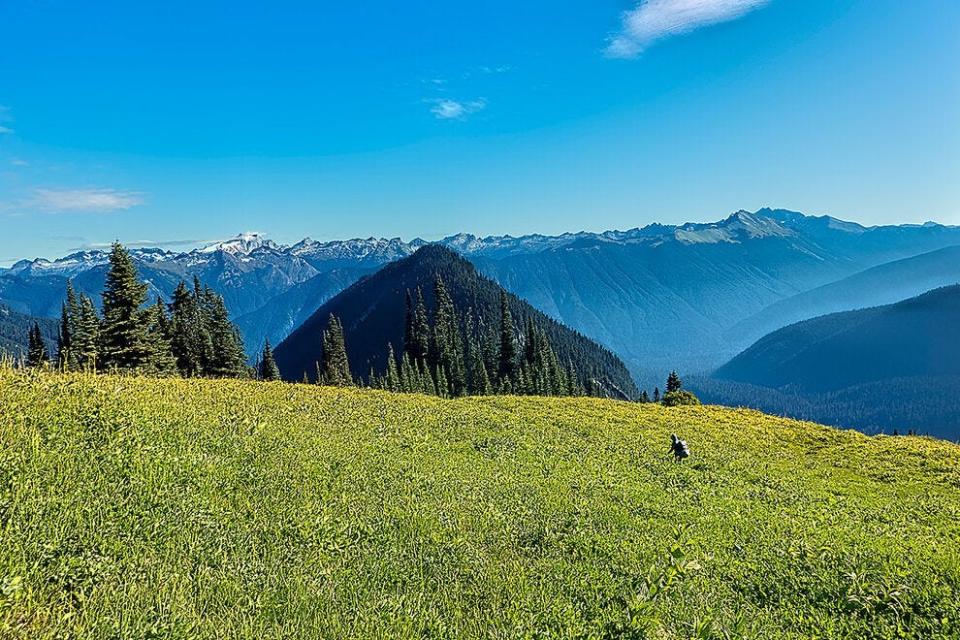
19 162
5 130
85 200
654 20
445 109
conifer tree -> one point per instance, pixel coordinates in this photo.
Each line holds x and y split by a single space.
336 366
446 352
204 341
419 346
123 336
674 383
268 370
85 341
507 352
409 329
443 387
427 383
228 358
656 394
160 360
392 378
409 376
481 384
477 375
37 354
190 340
573 381
69 315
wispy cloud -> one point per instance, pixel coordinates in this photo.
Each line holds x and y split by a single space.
446 109
654 20
5 129
85 200
504 68
19 162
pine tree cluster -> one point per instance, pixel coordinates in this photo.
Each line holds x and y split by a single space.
450 354
192 336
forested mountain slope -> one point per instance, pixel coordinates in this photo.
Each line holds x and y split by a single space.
373 311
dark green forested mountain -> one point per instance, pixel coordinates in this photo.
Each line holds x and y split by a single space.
896 366
15 328
373 315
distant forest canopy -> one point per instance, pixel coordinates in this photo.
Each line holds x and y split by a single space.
924 405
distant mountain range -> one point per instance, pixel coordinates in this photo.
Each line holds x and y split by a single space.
372 312
663 296
876 369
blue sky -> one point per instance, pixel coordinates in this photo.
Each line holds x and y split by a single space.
174 124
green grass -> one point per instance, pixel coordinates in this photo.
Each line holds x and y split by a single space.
134 508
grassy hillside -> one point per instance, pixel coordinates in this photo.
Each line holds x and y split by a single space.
199 509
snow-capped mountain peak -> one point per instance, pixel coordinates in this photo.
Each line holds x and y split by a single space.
243 244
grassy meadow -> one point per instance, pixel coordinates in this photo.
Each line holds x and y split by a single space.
137 508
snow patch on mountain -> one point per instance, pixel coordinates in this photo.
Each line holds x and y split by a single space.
243 244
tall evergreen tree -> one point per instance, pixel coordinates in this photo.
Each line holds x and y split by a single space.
674 383
85 341
391 381
123 336
409 376
161 360
69 315
446 352
507 353
228 358
478 379
409 328
268 370
190 340
419 344
336 366
37 354
442 385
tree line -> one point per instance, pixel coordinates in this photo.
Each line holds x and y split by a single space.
192 336
445 352
450 353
